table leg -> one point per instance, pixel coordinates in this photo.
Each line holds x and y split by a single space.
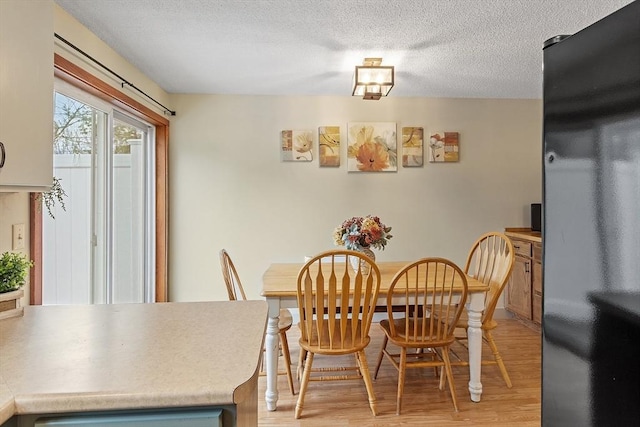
475 306
271 355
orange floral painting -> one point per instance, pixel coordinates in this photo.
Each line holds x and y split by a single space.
372 147
329 145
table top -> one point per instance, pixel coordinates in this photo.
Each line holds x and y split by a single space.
280 279
123 356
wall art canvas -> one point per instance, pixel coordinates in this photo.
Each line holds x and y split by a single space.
412 151
297 145
329 145
372 147
443 147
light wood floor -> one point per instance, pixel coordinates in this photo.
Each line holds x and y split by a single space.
344 403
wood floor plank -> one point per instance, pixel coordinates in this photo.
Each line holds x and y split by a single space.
344 403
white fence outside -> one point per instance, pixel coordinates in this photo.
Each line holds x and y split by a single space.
67 249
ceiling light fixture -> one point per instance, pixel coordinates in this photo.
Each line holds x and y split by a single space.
372 80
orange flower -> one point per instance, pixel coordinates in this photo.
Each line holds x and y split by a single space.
372 157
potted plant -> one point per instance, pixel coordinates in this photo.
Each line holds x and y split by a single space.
14 268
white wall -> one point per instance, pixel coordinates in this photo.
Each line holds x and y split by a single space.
229 189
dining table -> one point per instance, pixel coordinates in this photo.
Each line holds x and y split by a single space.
279 288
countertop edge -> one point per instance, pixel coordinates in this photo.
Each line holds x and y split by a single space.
74 402
7 406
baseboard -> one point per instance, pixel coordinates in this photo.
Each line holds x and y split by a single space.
502 313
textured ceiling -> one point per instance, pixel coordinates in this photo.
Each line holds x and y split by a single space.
440 48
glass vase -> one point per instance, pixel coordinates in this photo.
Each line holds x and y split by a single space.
357 262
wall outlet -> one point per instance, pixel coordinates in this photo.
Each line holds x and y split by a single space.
18 237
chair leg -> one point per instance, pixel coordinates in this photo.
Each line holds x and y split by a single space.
306 373
452 387
287 360
384 345
443 377
301 360
498 358
401 374
366 376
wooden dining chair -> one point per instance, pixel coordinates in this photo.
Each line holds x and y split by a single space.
490 261
236 292
432 307
336 307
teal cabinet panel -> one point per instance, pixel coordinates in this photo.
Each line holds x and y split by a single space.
196 418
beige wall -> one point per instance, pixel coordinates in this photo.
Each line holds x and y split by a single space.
230 190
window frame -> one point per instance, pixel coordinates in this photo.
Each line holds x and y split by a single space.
82 79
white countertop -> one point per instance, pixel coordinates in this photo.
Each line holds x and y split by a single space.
105 357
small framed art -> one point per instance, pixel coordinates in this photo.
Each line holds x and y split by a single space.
412 151
296 145
443 147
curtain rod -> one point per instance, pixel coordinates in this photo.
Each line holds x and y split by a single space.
124 81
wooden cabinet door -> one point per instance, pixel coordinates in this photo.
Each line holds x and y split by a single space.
537 277
519 288
26 94
537 292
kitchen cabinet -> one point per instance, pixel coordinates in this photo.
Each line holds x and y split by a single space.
519 286
523 295
26 95
536 283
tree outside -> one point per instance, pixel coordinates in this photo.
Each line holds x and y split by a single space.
74 125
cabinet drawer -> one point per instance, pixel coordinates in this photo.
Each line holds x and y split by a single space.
522 248
537 251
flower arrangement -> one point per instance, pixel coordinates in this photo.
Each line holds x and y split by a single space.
358 233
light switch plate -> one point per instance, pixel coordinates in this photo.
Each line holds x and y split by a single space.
18 237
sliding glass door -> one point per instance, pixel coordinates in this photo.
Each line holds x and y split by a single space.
100 247
131 206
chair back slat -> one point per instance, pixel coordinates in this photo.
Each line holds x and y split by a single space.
490 261
369 302
357 305
319 296
231 277
307 283
337 311
344 302
434 291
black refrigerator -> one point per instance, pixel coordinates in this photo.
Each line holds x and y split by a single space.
591 224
